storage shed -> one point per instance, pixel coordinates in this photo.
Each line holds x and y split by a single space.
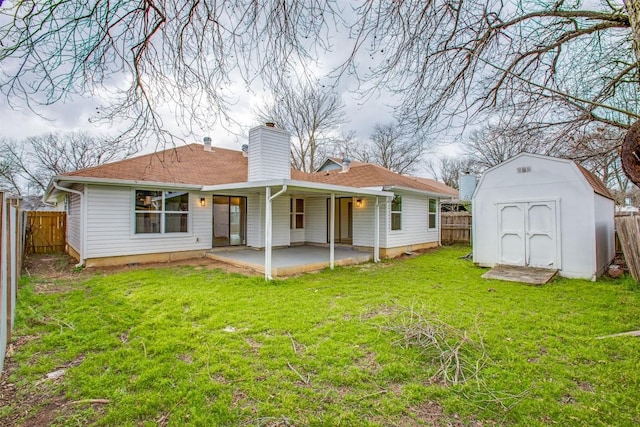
540 211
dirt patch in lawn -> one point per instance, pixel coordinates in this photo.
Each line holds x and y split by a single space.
53 268
42 402
37 404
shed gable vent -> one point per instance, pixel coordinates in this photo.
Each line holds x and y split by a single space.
524 169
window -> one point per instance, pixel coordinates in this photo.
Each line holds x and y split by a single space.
161 212
396 213
297 213
433 214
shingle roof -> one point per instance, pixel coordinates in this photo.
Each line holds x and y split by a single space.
191 164
371 175
597 185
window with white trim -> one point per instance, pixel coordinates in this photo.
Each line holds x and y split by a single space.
159 212
433 214
396 213
296 209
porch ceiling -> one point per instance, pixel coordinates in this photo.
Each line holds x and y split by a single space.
295 187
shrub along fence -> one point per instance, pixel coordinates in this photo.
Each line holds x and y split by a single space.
10 266
455 227
45 232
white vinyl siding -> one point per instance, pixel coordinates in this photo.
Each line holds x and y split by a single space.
256 206
415 223
268 154
316 220
110 225
74 221
280 216
605 232
255 220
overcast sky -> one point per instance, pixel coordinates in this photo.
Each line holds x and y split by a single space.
80 114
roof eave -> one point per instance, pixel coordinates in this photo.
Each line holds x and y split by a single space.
303 185
417 191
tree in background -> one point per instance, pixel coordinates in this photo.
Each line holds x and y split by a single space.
28 166
564 65
309 112
492 144
449 169
389 146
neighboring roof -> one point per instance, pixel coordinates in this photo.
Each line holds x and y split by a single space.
192 165
371 175
334 163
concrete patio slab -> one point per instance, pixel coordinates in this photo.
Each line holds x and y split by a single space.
290 260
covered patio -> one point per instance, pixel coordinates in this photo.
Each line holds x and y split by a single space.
291 260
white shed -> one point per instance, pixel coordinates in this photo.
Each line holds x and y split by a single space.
541 211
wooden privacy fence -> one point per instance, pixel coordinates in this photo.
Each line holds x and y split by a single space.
628 232
45 232
455 227
10 266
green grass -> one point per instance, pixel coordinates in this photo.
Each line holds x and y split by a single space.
191 346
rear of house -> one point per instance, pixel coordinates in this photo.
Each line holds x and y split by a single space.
184 202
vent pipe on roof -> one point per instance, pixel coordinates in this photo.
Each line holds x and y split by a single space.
207 143
245 150
270 124
346 164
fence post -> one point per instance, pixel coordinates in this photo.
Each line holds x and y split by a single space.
3 281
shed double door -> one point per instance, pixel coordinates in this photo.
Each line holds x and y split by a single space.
527 234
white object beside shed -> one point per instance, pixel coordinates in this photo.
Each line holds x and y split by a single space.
541 211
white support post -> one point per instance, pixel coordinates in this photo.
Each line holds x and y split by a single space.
267 235
332 231
376 233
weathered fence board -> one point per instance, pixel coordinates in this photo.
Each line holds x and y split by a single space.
10 266
45 232
628 231
455 227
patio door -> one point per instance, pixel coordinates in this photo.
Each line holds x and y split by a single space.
229 221
527 234
343 231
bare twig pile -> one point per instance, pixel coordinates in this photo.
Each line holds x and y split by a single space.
457 357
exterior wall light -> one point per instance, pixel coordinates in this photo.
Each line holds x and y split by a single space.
203 201
358 203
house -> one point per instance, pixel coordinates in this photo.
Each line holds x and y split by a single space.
186 201
541 211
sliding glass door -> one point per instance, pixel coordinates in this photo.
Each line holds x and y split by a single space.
229 221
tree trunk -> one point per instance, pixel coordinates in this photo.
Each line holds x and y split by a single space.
630 151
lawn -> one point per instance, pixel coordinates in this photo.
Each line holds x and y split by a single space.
364 345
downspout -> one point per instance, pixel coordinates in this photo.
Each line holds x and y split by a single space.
82 219
268 230
376 233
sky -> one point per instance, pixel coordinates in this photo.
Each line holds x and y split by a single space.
80 113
